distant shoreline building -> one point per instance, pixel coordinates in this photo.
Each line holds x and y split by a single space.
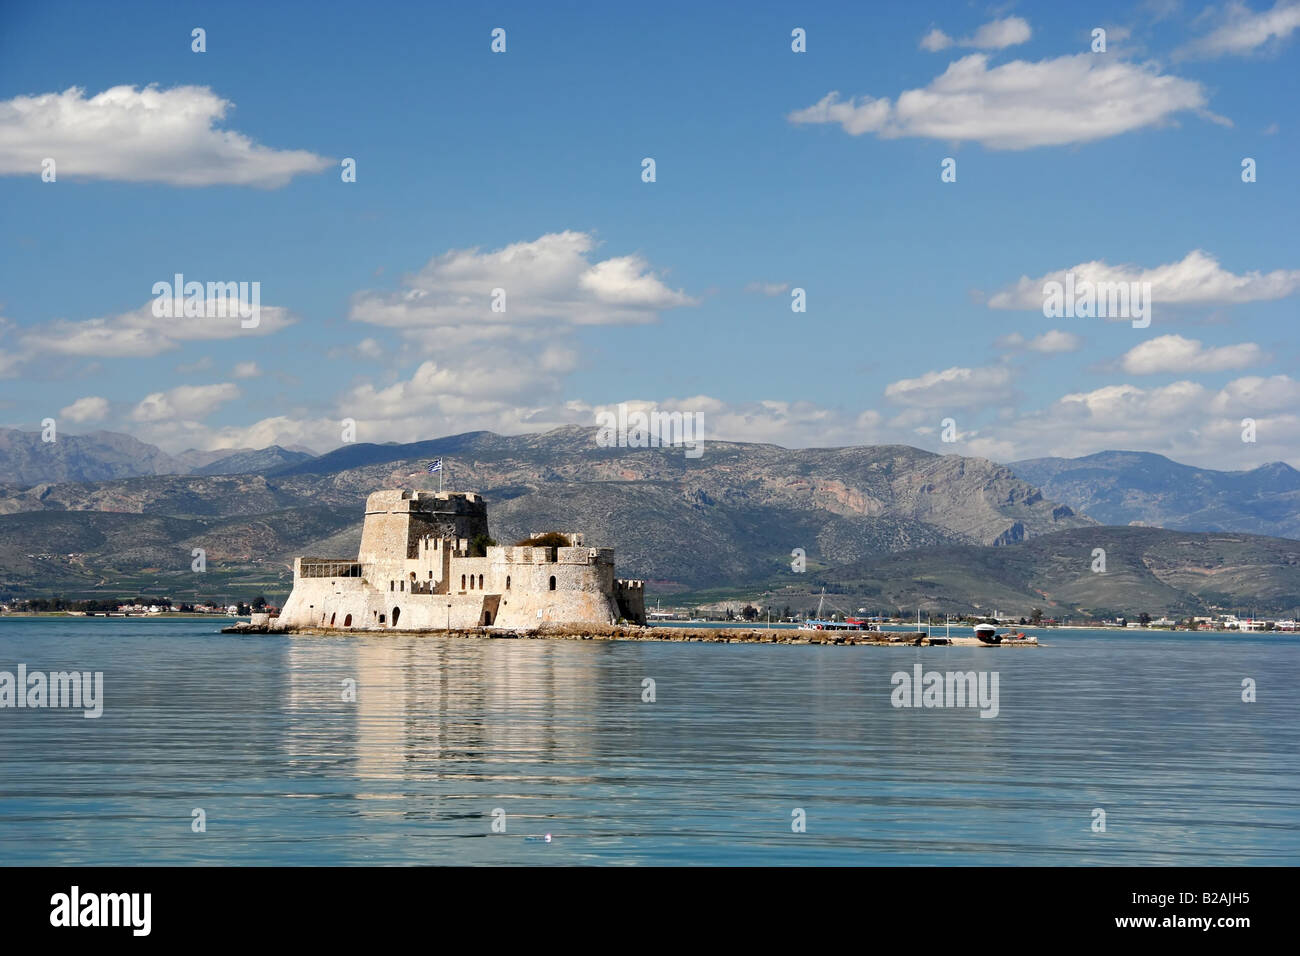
415 572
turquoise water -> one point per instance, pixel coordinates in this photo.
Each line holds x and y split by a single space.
1150 727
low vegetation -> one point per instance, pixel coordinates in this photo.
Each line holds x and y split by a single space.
552 539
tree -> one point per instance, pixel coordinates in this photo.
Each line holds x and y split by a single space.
750 612
1144 618
259 602
552 539
479 544
1036 616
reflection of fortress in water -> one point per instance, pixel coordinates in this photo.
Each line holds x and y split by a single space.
441 732
422 568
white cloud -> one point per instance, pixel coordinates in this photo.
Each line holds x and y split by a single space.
952 388
936 40
548 281
1049 343
1000 34
1019 105
284 430
141 334
1243 31
1173 353
473 385
1184 420
770 289
246 370
91 408
1257 395
1197 279
10 362
995 35
793 424
145 135
1127 409
185 402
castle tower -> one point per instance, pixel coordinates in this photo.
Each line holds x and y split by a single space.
397 520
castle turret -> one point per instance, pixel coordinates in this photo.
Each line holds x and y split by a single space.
397 520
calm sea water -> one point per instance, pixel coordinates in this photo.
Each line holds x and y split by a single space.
255 731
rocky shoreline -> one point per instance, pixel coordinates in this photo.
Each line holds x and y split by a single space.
596 632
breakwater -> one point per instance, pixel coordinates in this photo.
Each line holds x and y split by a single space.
618 632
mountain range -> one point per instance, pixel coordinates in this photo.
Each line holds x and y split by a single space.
887 518
26 459
1129 487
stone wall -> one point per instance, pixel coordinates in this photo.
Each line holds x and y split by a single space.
319 602
630 596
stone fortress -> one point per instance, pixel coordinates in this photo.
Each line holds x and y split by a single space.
415 572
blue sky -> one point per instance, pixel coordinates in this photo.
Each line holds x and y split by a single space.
522 170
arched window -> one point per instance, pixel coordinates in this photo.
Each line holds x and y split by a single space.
403 586
462 582
397 612
480 582
507 582
347 621
332 619
552 582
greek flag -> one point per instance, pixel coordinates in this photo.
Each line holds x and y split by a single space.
435 465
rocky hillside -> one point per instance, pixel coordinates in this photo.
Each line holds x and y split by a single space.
99 456
730 517
249 461
1146 569
1124 487
26 460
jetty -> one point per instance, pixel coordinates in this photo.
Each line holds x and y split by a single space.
634 632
